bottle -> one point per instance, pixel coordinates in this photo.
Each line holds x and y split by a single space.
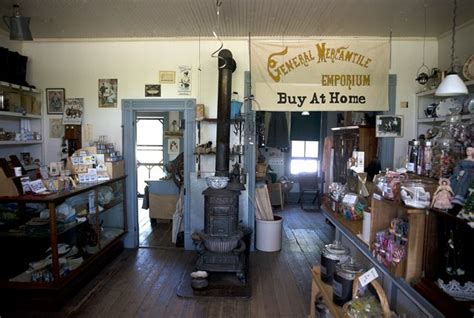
413 147
427 158
408 165
420 159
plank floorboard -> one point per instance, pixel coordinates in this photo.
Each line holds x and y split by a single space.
144 282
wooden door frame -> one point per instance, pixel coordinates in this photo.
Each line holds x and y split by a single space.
130 108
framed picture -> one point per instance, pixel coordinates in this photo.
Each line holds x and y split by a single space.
167 77
173 146
184 80
55 98
152 90
108 90
56 128
73 111
389 126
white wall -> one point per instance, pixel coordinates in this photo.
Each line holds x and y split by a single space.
407 57
77 66
464 46
15 46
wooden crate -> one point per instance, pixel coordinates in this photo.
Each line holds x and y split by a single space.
383 212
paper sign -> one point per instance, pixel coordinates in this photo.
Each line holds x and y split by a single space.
367 277
349 199
37 186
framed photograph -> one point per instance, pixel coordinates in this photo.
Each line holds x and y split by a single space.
389 126
184 80
73 111
108 90
173 146
167 77
56 128
152 90
55 98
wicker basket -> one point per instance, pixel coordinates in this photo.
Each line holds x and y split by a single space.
380 293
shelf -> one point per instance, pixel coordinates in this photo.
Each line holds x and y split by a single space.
20 115
441 119
19 87
169 134
18 143
213 154
61 229
214 120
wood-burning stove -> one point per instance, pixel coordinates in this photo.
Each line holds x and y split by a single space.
223 245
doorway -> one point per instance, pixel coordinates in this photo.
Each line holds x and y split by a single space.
139 108
149 153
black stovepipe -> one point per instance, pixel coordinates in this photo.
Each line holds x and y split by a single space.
227 66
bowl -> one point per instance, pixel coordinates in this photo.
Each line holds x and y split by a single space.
217 182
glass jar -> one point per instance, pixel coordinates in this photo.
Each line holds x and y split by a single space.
443 160
413 193
343 279
330 256
427 159
413 152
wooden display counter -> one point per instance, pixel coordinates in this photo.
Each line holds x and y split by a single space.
382 213
403 298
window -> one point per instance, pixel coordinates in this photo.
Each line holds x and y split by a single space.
304 156
149 150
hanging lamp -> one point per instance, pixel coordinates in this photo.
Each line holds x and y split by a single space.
452 84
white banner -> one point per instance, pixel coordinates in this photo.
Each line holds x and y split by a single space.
320 75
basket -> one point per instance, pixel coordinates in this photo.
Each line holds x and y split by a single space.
380 293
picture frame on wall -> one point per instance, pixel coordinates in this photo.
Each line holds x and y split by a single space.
152 90
108 91
173 146
167 77
389 126
55 100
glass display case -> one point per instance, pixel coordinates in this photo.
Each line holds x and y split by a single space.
49 242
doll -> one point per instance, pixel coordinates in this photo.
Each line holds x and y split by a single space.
443 196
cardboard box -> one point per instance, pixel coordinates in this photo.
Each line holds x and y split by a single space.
162 206
115 169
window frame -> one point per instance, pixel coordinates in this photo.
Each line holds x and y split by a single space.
317 158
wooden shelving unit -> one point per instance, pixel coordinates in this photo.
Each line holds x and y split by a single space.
396 281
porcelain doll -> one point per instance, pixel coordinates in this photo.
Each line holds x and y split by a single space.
443 196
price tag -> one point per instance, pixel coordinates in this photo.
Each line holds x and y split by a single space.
367 277
376 196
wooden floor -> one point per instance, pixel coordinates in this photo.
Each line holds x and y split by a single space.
153 235
143 282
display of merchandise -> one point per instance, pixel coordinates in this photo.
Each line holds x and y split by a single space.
390 245
331 255
443 195
413 194
107 149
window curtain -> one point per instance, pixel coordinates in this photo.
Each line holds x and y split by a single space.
305 127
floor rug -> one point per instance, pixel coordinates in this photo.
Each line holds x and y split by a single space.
220 285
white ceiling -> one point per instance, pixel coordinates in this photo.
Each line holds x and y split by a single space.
76 19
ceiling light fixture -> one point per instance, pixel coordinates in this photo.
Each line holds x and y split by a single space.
19 26
305 113
452 84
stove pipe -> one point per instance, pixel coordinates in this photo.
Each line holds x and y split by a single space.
227 66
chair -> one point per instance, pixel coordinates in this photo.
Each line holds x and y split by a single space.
311 186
